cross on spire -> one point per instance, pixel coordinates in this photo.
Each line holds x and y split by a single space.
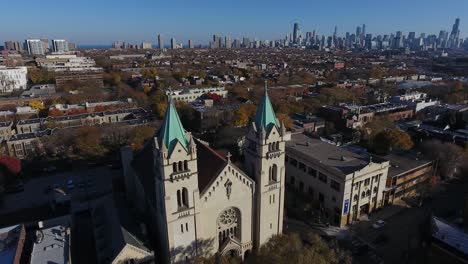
228 156
169 96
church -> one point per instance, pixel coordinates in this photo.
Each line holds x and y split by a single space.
197 202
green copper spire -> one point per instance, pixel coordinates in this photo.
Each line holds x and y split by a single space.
172 130
265 116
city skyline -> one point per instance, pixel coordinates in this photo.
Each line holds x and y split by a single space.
107 22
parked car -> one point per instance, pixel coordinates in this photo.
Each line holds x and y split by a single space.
379 224
70 184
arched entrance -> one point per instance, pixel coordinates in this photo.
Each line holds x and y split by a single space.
229 228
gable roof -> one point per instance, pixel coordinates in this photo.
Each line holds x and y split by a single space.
171 129
209 162
265 117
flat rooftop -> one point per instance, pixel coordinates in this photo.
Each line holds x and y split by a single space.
404 162
52 244
329 155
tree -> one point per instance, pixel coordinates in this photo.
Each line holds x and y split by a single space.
286 120
36 104
291 248
150 73
244 114
88 142
159 103
449 157
40 76
384 141
139 135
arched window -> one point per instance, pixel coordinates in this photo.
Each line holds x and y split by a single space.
174 167
185 165
185 198
277 146
363 194
269 147
179 199
180 166
274 173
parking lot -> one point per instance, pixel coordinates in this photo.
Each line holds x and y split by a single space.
40 191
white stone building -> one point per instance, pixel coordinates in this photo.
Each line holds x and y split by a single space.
192 94
201 203
346 185
13 79
416 100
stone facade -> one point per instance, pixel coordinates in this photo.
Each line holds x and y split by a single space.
201 203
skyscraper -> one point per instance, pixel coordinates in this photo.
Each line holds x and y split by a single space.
146 45
363 30
45 44
296 33
227 42
60 45
455 34
13 45
190 44
173 43
34 46
160 42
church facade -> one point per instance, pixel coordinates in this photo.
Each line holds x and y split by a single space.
199 203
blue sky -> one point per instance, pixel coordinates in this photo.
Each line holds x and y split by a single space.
102 21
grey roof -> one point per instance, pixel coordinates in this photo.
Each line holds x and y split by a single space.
450 235
8 241
336 158
110 235
52 245
404 162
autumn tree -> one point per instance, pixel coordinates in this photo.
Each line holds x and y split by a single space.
291 248
88 142
40 76
286 120
36 104
244 114
159 103
387 140
150 73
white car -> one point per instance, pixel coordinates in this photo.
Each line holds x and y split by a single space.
379 224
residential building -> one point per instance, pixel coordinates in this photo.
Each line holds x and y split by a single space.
94 76
415 100
67 62
40 90
12 240
449 244
60 45
146 45
6 130
35 46
192 195
408 175
13 45
347 185
160 42
52 244
193 94
12 79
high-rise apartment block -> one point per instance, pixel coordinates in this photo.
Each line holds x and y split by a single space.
35 46
60 45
